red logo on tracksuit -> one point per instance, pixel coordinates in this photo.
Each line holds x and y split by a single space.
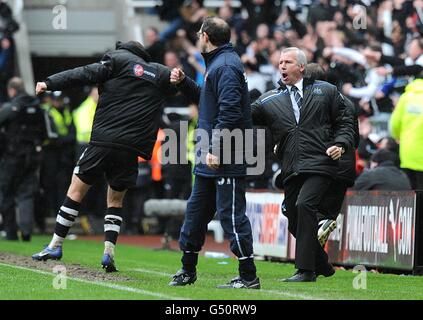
138 70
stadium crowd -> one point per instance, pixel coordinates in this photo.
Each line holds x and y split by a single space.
371 50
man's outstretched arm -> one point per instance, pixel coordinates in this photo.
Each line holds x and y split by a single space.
87 75
186 85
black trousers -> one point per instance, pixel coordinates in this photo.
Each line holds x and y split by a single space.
332 201
416 179
18 184
303 194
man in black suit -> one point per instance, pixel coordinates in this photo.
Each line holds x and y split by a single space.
312 128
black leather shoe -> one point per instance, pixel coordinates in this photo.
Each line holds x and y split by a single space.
326 270
302 276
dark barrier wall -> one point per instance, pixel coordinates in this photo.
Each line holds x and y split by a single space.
375 229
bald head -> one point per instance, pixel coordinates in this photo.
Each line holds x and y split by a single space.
217 30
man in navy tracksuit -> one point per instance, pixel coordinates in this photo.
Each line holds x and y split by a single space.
219 185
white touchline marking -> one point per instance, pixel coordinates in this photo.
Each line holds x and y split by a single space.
102 284
158 273
288 294
279 293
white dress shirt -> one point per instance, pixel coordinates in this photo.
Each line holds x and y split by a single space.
299 86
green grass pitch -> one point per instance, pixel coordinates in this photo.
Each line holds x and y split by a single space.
145 273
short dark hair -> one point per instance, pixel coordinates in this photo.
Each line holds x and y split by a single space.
217 29
16 84
315 71
384 155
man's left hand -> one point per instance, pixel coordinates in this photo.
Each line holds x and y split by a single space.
335 152
212 161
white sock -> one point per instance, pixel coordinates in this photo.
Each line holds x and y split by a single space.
109 248
56 242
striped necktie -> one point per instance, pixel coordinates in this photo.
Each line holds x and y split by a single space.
297 97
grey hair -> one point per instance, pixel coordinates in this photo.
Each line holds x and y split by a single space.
301 57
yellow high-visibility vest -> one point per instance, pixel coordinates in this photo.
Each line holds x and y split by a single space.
83 118
61 121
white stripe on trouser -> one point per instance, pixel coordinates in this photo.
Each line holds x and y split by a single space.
233 219
63 221
110 216
245 258
111 227
69 211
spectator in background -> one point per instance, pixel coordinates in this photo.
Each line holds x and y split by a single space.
154 46
7 66
235 20
407 128
195 59
25 130
321 11
8 26
384 174
171 60
193 13
390 144
260 11
59 152
256 80
366 147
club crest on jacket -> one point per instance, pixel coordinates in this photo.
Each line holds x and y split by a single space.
138 70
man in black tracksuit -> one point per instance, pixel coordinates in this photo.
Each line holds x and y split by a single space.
23 124
219 185
312 129
132 91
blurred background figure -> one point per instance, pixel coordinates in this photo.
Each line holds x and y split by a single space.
8 26
383 174
23 123
59 152
407 128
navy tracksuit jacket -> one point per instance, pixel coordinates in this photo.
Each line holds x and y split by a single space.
223 104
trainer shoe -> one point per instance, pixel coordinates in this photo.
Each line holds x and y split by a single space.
48 254
182 278
239 283
108 263
325 228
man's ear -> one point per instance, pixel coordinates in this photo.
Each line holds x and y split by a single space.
206 37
